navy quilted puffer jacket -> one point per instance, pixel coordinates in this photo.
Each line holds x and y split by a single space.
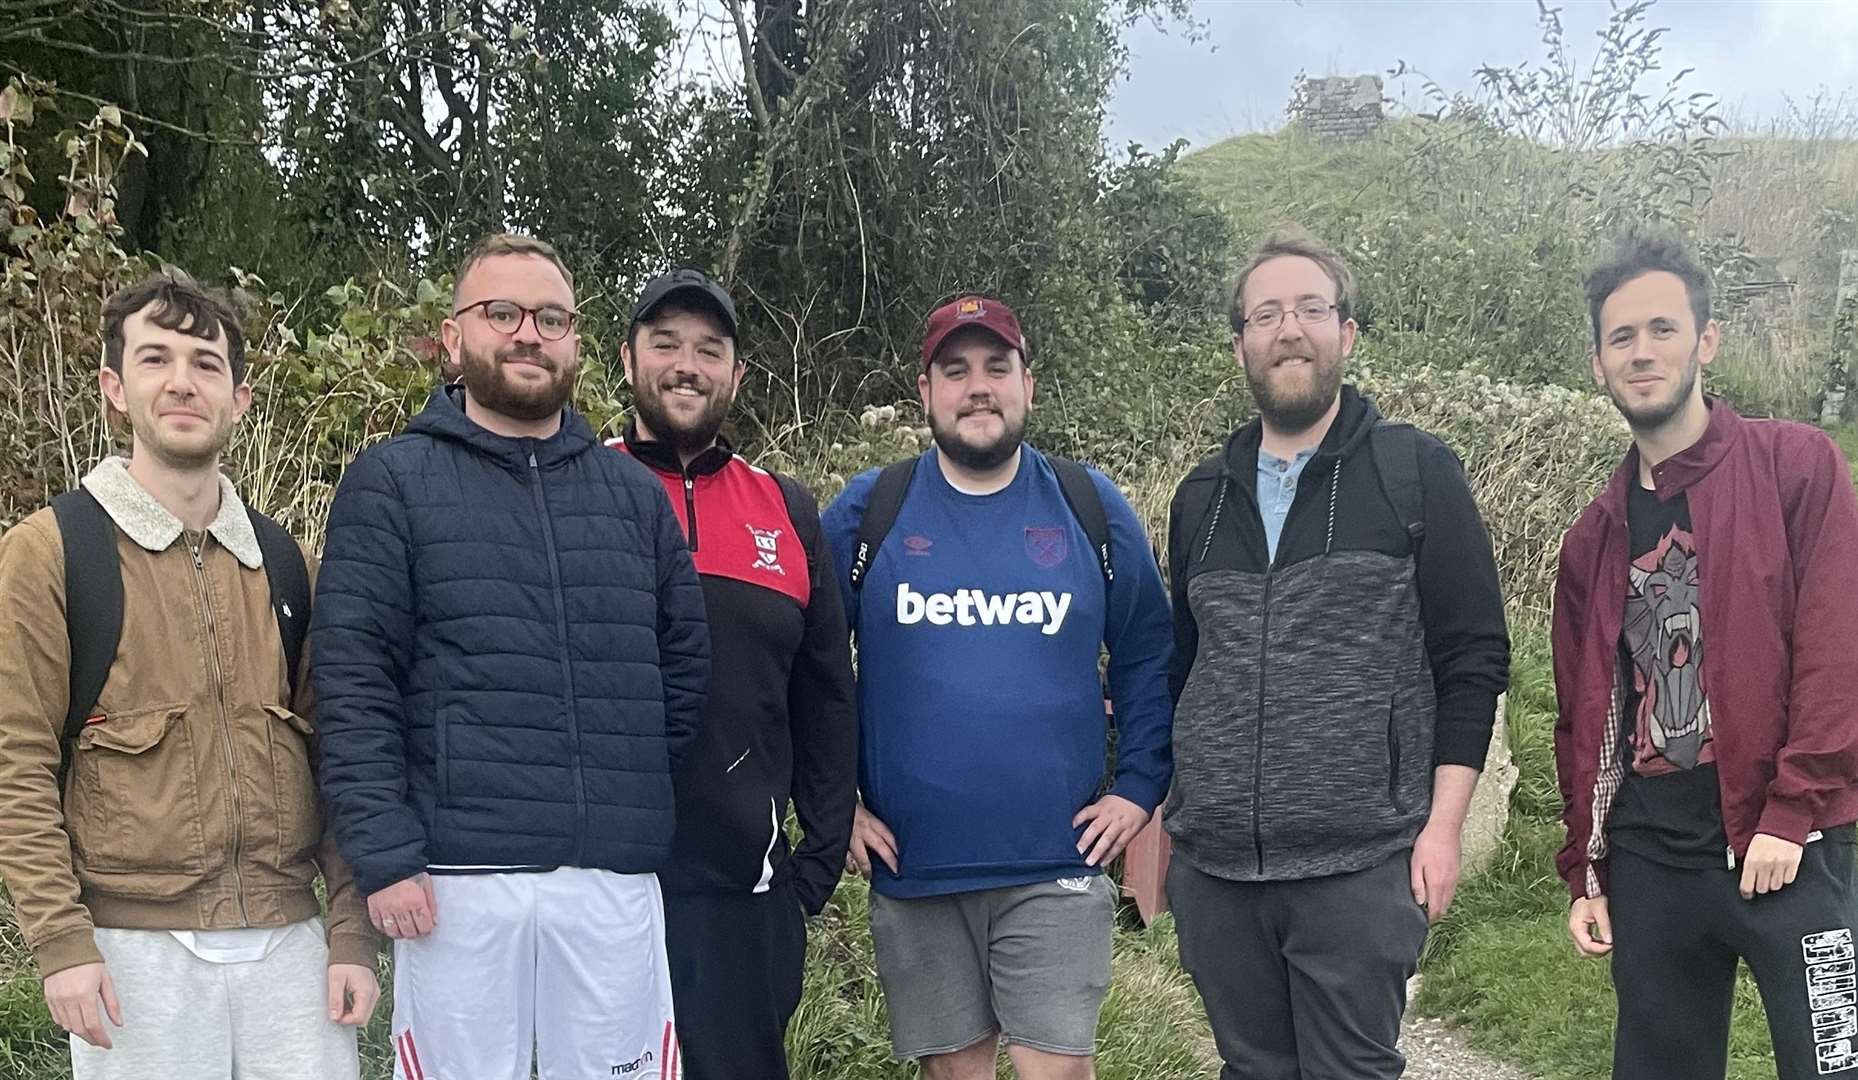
510 653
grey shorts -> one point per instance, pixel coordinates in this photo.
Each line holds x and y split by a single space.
1031 962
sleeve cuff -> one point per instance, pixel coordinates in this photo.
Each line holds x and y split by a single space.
1144 793
67 950
1785 819
1462 732
351 948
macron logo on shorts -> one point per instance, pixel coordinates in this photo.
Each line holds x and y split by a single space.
972 607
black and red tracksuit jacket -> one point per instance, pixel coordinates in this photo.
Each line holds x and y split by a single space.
781 722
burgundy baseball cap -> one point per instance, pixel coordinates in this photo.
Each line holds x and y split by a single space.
981 311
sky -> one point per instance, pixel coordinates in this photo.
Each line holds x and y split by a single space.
1754 55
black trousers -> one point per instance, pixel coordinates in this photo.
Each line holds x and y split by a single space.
737 964
1303 980
1677 935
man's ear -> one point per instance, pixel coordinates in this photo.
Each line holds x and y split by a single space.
922 389
110 382
451 336
1350 331
625 361
1708 342
241 400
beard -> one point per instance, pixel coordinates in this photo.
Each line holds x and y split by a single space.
1294 401
180 451
685 435
1654 415
977 457
486 383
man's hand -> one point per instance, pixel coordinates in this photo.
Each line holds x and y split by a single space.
870 837
353 993
1590 926
1435 867
72 996
1114 821
405 909
1770 863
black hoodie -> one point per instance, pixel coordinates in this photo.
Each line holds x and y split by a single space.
1316 693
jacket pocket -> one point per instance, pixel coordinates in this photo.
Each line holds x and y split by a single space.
294 794
135 798
441 759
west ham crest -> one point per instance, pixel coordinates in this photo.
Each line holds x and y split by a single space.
1046 546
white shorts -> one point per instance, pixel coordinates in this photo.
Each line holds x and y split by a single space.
565 967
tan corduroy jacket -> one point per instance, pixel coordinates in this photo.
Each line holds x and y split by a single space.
191 802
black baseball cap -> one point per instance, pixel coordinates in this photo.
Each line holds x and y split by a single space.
685 282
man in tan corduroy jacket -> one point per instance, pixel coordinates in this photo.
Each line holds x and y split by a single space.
167 890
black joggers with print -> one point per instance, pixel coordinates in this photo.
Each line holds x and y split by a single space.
1303 980
1677 934
737 964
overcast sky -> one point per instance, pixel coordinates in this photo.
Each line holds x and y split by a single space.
1753 54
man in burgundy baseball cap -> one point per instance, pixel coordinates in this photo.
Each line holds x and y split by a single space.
981 311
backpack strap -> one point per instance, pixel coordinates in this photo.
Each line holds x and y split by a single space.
803 512
93 606
290 589
1080 492
880 513
1395 449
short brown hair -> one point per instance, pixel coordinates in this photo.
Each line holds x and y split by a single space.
177 302
507 244
1291 240
1645 250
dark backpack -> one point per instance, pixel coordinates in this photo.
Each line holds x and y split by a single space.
880 513
94 599
804 513
1394 448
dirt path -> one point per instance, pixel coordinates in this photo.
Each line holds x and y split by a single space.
1436 1052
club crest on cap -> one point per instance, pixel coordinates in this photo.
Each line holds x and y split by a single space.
971 308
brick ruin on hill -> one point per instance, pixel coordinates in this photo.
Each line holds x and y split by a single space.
1344 107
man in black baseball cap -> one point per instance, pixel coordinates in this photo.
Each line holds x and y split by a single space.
779 724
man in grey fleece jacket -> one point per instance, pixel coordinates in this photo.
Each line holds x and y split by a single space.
1339 648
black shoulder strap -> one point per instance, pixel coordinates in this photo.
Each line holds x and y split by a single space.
803 511
1395 448
93 603
290 588
880 513
1080 491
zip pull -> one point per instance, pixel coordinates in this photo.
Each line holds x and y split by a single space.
532 459
194 550
1731 850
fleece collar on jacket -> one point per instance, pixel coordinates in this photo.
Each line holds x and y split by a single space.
152 526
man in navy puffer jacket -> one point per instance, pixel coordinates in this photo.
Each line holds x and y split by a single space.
511 656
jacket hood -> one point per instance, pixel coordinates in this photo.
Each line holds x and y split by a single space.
1353 422
444 418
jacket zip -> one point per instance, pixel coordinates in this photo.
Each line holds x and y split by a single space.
567 669
690 509
1264 638
205 600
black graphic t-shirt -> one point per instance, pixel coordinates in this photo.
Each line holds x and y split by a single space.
1668 809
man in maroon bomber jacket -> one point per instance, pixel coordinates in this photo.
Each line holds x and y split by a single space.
781 723
1706 663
